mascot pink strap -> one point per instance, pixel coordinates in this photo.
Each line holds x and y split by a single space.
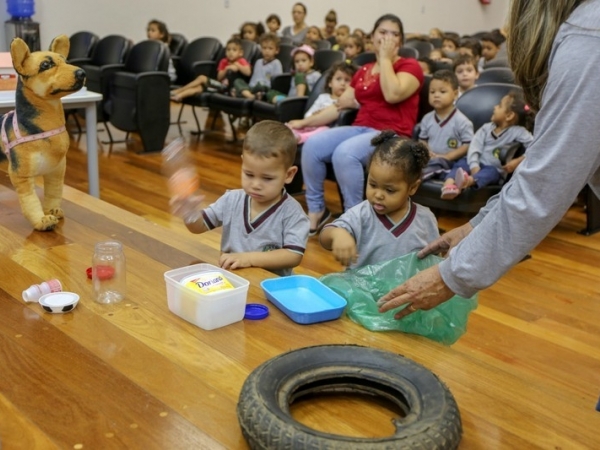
20 139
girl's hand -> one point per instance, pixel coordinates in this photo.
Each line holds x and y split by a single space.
388 49
446 241
344 248
425 291
234 261
295 124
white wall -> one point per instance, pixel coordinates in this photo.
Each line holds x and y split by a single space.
221 18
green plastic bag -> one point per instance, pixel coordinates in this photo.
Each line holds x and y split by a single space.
362 288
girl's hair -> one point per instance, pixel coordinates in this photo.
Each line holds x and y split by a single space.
318 30
518 105
358 41
438 32
391 18
162 29
473 44
406 154
532 27
259 29
342 66
274 17
331 16
301 5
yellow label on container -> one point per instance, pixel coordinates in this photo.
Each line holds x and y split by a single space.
209 283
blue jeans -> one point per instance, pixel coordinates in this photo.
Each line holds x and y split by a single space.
349 149
487 174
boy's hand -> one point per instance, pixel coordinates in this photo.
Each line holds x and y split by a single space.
186 207
232 261
233 67
343 247
510 166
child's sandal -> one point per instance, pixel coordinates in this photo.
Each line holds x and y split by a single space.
449 191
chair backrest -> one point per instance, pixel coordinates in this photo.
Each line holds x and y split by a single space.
324 59
408 52
285 56
478 102
111 49
177 44
317 90
424 106
148 56
201 49
82 44
251 51
423 47
323 44
478 35
286 40
436 42
364 58
496 62
442 65
496 75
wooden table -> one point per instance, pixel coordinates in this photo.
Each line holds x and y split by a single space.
136 376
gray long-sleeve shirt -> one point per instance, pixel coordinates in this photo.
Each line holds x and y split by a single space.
563 157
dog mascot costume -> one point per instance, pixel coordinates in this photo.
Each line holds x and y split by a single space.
34 137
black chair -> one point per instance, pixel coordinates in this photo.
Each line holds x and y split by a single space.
424 106
408 52
324 59
82 45
323 44
442 65
436 42
285 56
496 75
423 47
364 58
479 35
496 62
286 40
177 44
478 105
139 94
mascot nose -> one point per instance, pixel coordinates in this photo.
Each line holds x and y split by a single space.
80 75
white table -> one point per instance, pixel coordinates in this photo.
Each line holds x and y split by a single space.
80 99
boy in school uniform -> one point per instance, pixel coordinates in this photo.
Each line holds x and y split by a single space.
263 226
446 131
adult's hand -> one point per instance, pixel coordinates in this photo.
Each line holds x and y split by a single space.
446 242
388 49
425 291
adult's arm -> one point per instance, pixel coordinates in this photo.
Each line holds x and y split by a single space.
396 87
564 155
328 114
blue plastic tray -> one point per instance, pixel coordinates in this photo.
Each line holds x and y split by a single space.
304 299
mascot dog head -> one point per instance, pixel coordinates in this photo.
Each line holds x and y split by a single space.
34 136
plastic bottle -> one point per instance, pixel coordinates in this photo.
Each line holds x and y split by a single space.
20 9
35 291
108 272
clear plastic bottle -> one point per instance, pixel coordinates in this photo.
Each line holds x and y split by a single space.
108 272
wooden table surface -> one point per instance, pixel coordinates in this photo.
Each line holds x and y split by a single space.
134 375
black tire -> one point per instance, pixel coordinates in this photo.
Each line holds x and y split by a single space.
432 419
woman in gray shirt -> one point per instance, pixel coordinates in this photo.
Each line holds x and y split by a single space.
297 31
563 61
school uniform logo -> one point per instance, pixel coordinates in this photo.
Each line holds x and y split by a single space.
496 152
452 143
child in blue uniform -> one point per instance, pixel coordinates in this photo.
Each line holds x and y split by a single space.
388 224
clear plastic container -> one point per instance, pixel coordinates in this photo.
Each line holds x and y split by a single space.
108 272
206 311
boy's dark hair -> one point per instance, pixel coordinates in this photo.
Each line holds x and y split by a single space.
408 155
493 38
270 37
464 59
447 76
343 66
236 41
162 28
452 39
518 105
274 17
472 44
271 139
430 63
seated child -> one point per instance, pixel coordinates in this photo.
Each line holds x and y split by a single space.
470 47
252 31
446 131
264 69
313 35
449 45
158 31
490 46
510 123
229 68
465 69
339 77
273 24
305 77
387 224
353 46
369 43
341 34
427 65
263 226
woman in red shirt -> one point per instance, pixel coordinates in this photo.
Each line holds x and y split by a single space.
387 93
